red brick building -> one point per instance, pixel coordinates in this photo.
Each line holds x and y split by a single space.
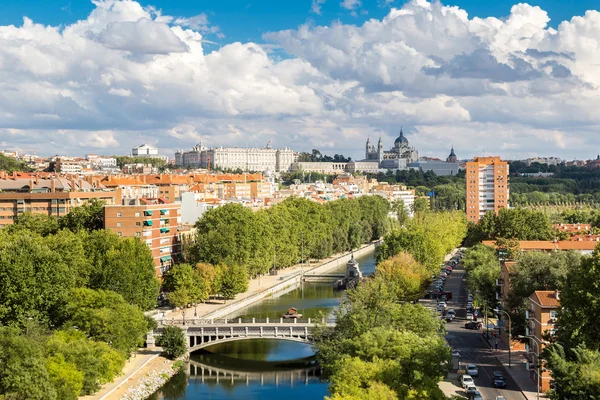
154 221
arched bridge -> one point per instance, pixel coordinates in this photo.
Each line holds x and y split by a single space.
205 372
206 332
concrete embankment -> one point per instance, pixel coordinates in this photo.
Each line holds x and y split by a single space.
292 279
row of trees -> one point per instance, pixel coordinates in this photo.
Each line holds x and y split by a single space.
316 156
512 223
296 229
428 236
71 307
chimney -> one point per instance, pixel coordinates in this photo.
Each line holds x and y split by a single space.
556 294
31 185
52 185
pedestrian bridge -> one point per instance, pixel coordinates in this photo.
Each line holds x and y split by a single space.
206 332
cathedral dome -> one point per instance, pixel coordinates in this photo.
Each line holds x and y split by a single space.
401 139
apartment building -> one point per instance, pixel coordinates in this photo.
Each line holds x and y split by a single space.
542 315
170 187
55 196
487 186
132 188
153 221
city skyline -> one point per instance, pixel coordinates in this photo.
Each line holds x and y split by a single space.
106 76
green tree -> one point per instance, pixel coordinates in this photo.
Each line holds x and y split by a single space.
576 372
580 305
66 378
404 275
105 316
97 361
9 164
173 342
41 224
483 268
184 277
234 280
23 373
516 223
88 216
124 266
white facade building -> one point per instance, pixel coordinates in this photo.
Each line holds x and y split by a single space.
193 205
231 158
145 150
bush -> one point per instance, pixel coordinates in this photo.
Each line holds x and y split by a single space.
173 342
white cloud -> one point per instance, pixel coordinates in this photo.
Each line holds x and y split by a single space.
316 6
350 4
128 74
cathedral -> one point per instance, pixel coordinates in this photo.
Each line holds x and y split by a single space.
398 157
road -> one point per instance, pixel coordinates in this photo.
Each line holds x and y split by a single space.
472 346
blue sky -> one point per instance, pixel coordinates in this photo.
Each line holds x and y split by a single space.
247 20
104 77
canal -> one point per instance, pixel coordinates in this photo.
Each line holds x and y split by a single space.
261 369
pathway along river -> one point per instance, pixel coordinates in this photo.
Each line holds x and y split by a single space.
261 369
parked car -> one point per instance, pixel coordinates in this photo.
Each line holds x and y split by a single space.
476 396
466 380
469 316
498 380
473 325
472 370
441 306
450 317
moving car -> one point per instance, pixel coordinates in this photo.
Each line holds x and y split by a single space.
498 380
472 391
466 380
469 316
473 325
441 306
472 370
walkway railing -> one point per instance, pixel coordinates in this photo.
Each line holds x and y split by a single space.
243 321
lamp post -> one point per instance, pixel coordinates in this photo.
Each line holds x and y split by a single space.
537 362
498 311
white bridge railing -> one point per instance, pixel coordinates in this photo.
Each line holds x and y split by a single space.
194 322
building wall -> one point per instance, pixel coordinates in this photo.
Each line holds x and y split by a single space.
440 168
487 186
136 221
57 204
320 167
540 322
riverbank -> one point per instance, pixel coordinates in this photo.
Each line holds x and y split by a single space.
265 286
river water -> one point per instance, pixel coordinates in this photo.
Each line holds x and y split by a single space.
261 369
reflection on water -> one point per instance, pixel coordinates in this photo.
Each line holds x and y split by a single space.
261 369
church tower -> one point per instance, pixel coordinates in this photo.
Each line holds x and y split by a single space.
380 150
368 148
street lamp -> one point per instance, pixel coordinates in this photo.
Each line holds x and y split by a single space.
537 361
498 311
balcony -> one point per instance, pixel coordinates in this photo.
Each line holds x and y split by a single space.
147 223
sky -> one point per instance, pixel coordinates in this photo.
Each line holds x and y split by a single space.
489 78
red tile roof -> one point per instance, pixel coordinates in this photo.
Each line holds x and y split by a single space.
546 298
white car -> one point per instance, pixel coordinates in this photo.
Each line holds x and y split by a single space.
466 380
472 370
470 316
441 306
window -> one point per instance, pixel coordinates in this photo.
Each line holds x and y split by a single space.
137 214
553 315
119 224
138 223
120 233
118 214
137 234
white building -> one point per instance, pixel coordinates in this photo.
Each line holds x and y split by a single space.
231 158
193 205
145 150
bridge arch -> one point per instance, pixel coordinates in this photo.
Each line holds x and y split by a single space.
203 345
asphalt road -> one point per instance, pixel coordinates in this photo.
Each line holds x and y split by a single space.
472 346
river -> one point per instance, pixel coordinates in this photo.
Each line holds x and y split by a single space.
261 369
